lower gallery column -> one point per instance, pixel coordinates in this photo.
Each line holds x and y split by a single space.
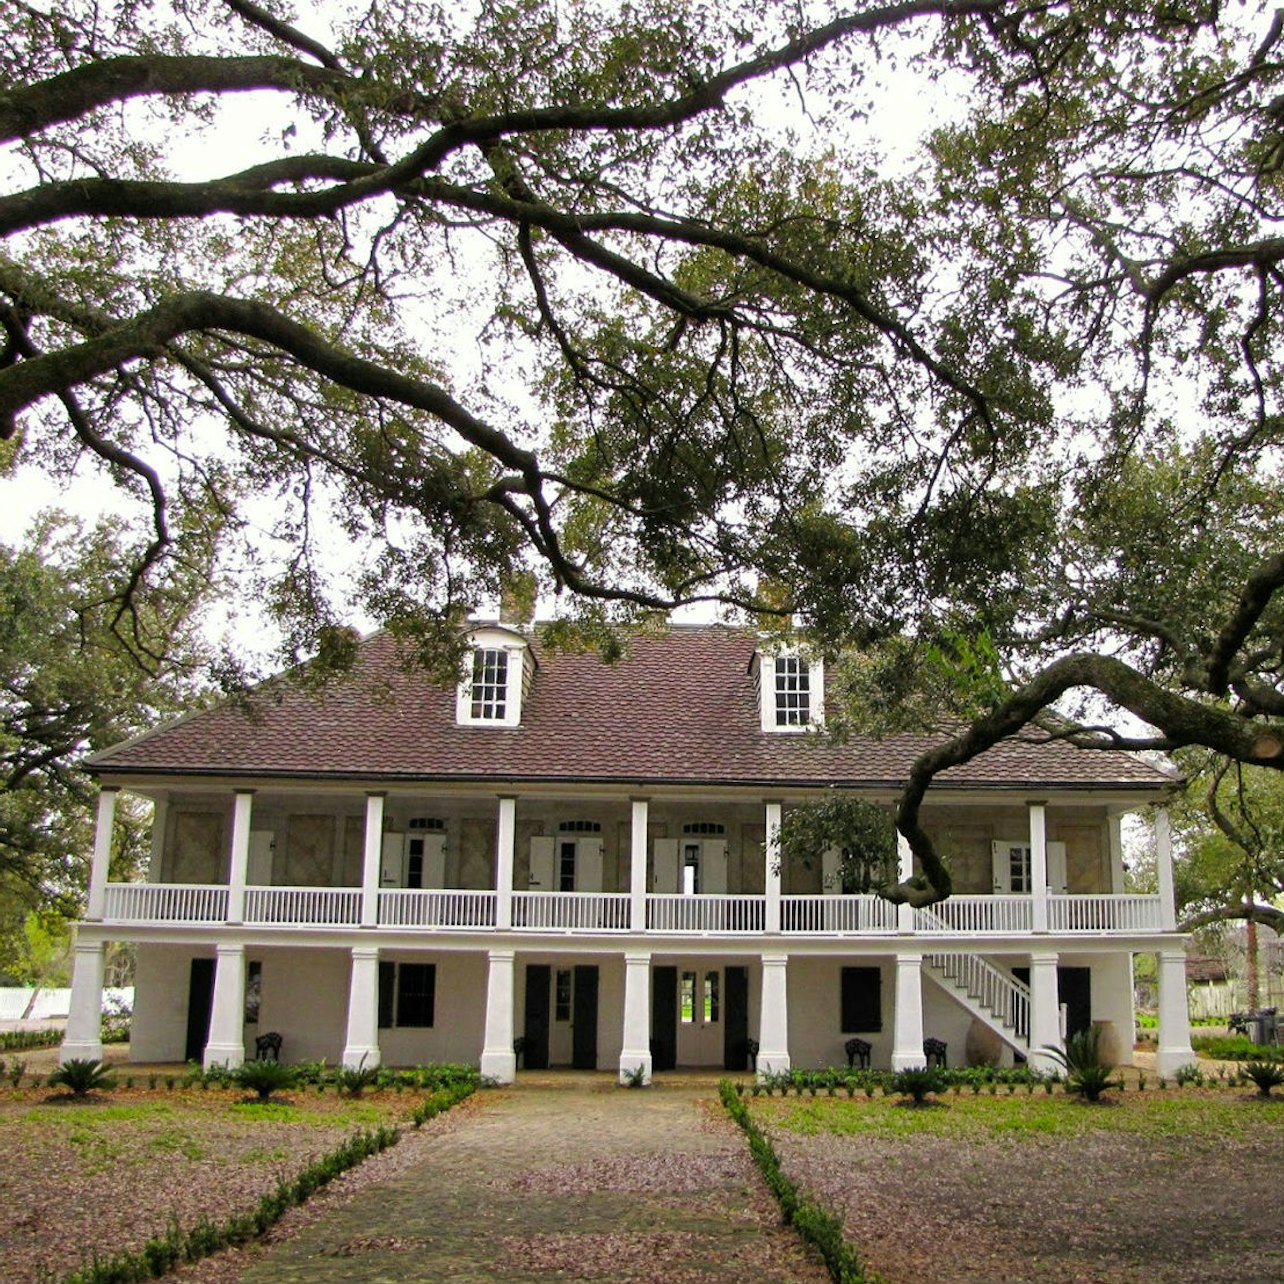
361 1046
226 1046
907 1031
636 1049
83 1037
1045 1011
773 1021
498 1060
1173 1049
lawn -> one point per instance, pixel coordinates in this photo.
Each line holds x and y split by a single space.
103 1175
1162 1187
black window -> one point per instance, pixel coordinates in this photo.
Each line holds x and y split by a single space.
416 986
387 982
862 1000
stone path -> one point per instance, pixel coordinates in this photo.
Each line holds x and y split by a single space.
582 1181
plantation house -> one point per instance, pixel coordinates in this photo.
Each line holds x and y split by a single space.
569 863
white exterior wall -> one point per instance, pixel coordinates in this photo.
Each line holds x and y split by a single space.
162 980
816 1036
459 1012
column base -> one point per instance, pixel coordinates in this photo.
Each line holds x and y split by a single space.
908 1060
1171 1059
227 1055
362 1058
86 1050
631 1062
770 1063
499 1066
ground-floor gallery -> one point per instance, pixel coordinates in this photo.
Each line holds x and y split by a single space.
705 1005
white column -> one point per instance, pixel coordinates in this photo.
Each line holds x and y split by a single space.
637 872
1039 866
1173 1049
372 861
1045 1011
361 1047
498 1061
101 860
773 1020
771 876
907 1031
226 1046
636 1049
83 1037
505 840
904 872
240 856
1164 868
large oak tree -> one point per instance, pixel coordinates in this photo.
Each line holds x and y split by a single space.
629 303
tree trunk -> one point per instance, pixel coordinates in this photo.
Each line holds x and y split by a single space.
1252 977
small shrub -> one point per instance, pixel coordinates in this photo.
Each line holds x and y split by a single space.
636 1078
263 1078
1189 1076
1265 1074
15 1072
1087 1072
353 1080
81 1076
917 1082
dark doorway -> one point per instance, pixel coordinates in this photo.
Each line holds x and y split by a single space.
584 1036
664 1018
200 1005
535 1030
1074 989
735 1027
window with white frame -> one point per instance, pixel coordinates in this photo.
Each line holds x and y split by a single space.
489 695
791 690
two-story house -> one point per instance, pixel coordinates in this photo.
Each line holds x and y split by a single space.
578 860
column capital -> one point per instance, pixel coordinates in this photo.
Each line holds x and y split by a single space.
365 951
502 956
642 798
245 790
1173 956
1036 802
376 793
637 957
109 789
1044 957
774 960
507 797
909 958
228 950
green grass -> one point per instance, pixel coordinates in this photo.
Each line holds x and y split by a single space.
1228 1113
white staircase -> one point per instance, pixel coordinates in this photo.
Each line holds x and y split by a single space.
992 996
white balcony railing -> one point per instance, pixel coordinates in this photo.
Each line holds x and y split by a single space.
165 903
666 913
1103 914
303 906
436 908
571 911
977 915
836 914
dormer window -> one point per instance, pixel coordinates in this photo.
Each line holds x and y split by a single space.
791 690
489 696
496 678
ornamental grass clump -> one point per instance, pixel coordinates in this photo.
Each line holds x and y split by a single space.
1087 1072
917 1082
81 1076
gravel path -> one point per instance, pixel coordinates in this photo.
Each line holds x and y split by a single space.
581 1182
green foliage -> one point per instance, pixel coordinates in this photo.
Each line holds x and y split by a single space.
19 1040
1189 1076
1265 1074
81 1076
861 830
1235 1047
635 1078
263 1078
917 1082
1087 1073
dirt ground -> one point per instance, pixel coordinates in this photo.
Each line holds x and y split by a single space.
1145 1190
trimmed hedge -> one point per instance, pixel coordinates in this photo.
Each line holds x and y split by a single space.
21 1040
814 1224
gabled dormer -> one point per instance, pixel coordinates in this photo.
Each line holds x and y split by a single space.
497 678
790 683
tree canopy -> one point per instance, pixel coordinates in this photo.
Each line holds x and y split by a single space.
631 303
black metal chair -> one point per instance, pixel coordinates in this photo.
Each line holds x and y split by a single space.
858 1050
751 1047
934 1050
519 1050
267 1045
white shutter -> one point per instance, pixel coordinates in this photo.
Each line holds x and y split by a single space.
1002 867
831 882
434 860
588 865
392 862
542 864
1057 868
258 872
664 869
713 867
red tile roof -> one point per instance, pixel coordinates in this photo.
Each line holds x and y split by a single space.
681 707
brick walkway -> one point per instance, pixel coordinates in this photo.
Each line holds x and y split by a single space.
560 1179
